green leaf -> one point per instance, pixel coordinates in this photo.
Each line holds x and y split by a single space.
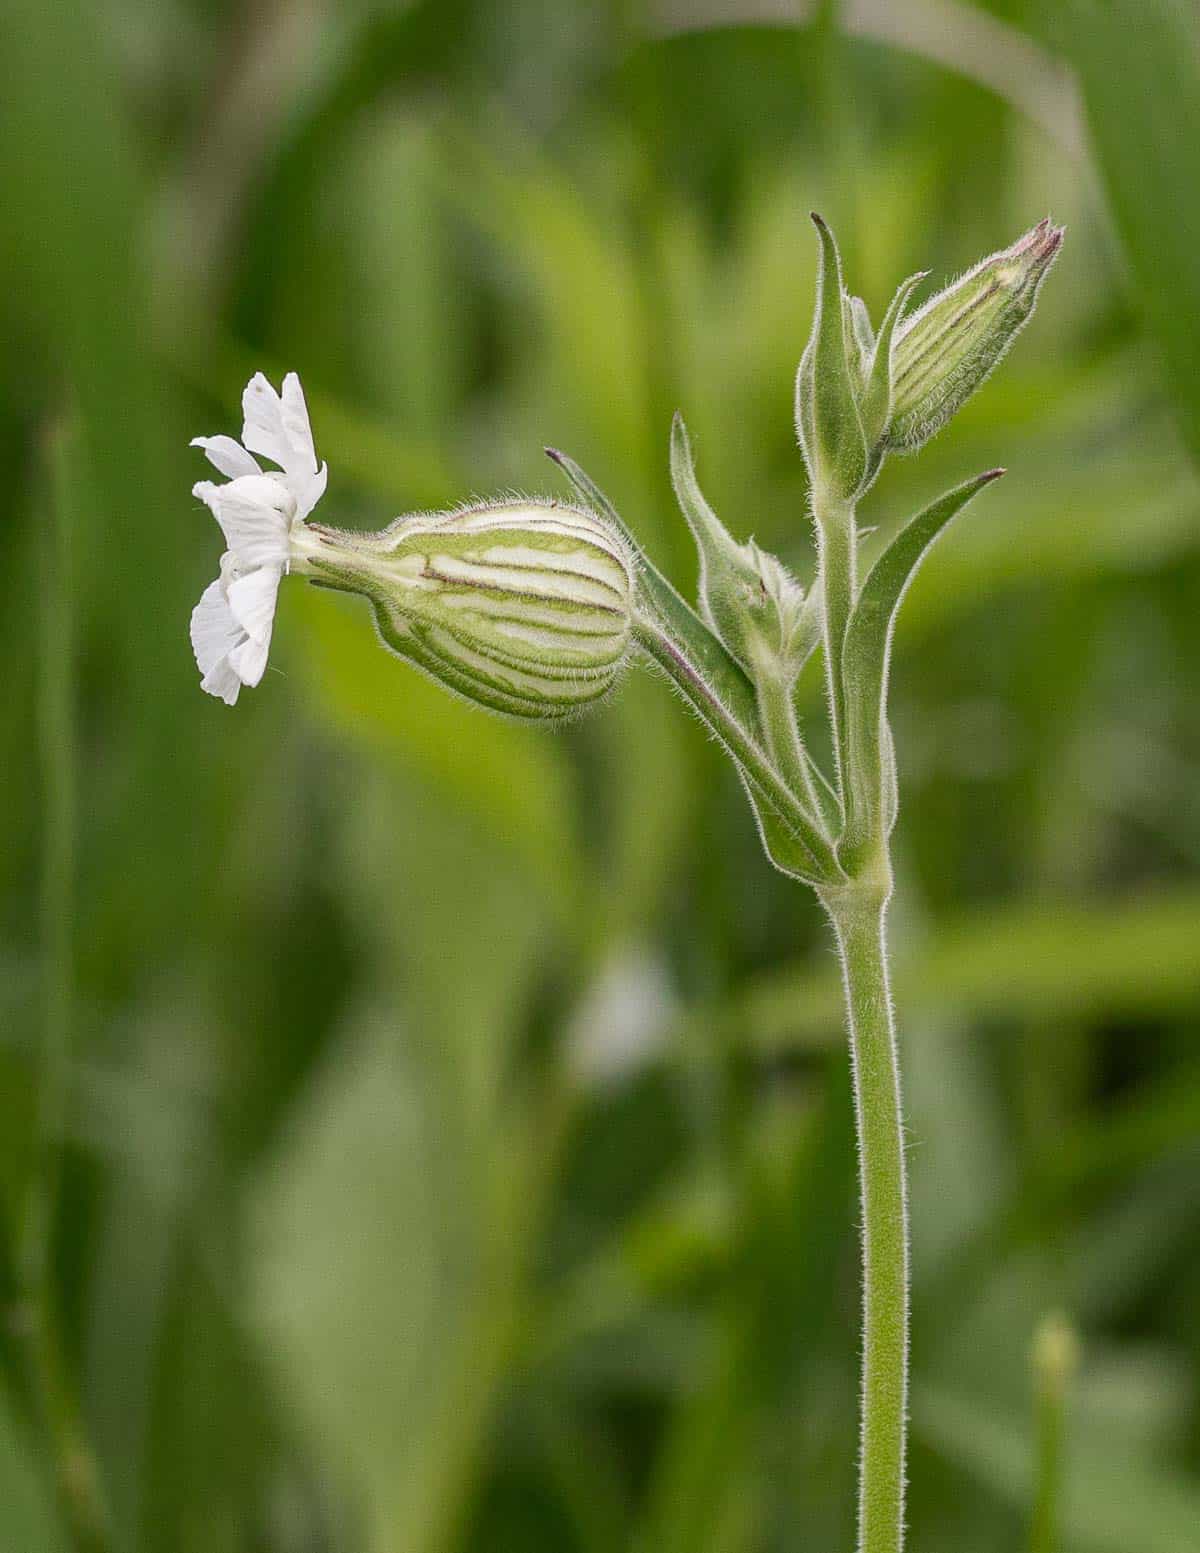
1112 1502
1138 63
515 780
1140 957
582 282
837 451
713 539
724 570
679 633
877 396
366 1236
866 653
29 1520
685 627
390 1228
784 849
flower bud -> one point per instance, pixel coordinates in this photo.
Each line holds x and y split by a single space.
523 606
945 350
827 418
747 596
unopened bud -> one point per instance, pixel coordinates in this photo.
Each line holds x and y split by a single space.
524 607
860 340
747 596
945 350
828 382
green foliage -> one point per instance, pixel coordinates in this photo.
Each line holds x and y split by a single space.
1139 71
867 653
353 1249
30 1522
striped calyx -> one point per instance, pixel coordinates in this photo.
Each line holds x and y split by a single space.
946 349
523 606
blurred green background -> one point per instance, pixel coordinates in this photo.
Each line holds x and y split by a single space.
422 1133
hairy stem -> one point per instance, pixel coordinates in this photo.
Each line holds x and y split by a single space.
837 552
659 645
858 917
777 714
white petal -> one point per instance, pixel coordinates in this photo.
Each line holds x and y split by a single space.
263 431
228 456
255 513
222 681
252 601
296 424
249 661
308 491
214 632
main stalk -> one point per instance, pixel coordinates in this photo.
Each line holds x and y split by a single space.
859 921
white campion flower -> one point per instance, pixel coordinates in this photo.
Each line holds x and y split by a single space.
259 511
525 606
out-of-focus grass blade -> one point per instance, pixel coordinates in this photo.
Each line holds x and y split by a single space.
515 780
69 179
1112 1502
709 1493
1134 1243
29 1522
1141 957
1106 515
367 1251
390 1232
581 278
1139 67
407 471
412 348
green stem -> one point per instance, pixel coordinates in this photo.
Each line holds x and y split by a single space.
1054 1360
1043 1536
858 916
837 555
777 715
791 809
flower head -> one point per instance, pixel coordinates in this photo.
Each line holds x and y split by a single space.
522 606
258 511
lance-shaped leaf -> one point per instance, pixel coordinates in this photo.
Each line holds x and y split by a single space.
784 849
787 825
826 405
747 595
891 779
860 338
673 635
865 661
728 581
701 645
876 404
